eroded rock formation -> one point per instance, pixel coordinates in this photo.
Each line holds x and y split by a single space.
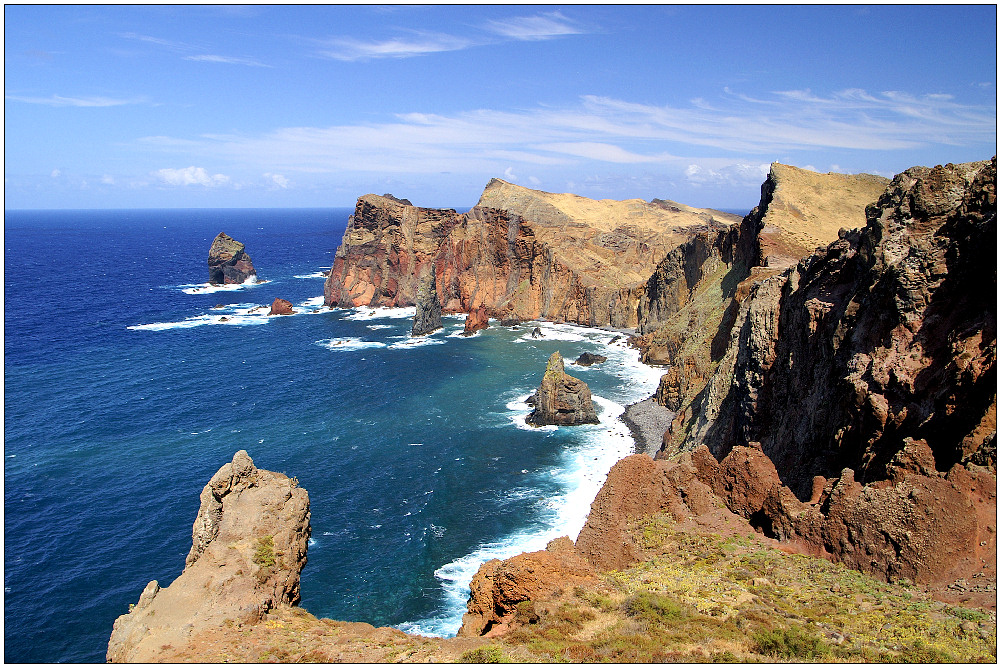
561 399
427 317
228 262
520 254
248 548
589 359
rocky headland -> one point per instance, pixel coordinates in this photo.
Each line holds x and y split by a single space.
520 254
824 485
228 261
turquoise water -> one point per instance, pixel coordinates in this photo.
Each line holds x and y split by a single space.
125 390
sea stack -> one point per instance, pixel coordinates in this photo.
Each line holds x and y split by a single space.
228 262
561 399
427 319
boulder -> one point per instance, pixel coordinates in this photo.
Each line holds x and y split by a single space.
228 262
281 307
561 399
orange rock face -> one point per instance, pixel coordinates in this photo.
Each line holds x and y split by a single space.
281 307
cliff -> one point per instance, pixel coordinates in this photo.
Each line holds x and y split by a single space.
576 260
248 547
228 261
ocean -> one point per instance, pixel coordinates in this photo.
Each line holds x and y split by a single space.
129 382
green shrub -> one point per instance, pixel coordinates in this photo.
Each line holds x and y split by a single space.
792 642
484 654
654 608
264 554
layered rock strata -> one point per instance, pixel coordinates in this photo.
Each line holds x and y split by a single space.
561 399
427 317
248 548
582 261
228 261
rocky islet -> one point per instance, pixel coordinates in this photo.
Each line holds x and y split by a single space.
228 262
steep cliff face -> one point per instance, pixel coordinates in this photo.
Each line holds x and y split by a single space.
248 548
888 333
427 317
584 263
690 304
561 399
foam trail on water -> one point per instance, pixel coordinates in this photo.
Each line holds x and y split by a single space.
318 274
239 314
209 288
348 344
372 313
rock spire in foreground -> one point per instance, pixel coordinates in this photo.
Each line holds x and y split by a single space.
562 399
248 549
228 262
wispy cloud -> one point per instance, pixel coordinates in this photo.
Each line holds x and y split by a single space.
728 139
92 101
227 60
191 176
417 44
538 27
412 43
158 41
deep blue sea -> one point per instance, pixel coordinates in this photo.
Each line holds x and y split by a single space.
129 382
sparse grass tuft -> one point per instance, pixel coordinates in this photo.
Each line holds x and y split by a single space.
485 654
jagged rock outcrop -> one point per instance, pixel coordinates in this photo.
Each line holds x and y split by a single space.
576 260
228 262
475 321
427 318
281 307
888 333
561 399
248 548
498 586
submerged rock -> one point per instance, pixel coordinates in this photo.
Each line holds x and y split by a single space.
561 399
228 262
427 319
281 307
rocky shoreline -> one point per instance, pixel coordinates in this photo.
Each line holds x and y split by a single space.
647 421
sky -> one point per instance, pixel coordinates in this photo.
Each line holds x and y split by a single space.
313 106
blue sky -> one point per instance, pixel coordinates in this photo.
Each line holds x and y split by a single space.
287 106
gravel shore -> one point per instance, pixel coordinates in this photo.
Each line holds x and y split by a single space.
648 421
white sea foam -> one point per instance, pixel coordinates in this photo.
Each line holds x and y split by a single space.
376 327
209 288
372 313
318 274
239 314
348 344
418 341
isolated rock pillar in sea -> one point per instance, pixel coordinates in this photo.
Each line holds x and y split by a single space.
561 399
427 319
281 307
228 262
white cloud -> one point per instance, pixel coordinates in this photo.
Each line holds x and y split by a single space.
734 132
191 176
55 173
278 180
227 60
93 101
538 27
721 173
508 173
420 43
108 179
